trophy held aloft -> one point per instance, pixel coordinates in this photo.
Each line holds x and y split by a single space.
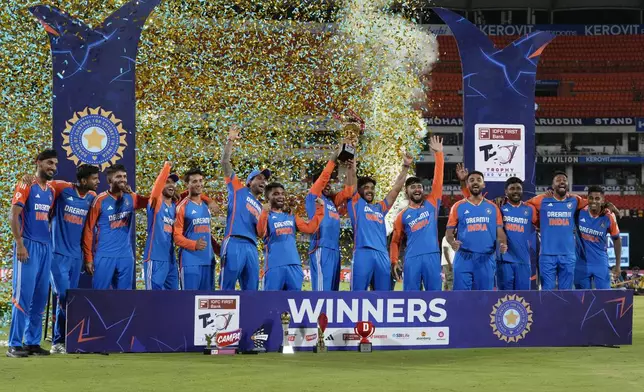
352 130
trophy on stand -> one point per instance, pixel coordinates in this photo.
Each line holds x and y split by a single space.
353 128
286 347
323 321
365 329
225 343
208 349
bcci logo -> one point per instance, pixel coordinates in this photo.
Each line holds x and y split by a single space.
94 136
511 318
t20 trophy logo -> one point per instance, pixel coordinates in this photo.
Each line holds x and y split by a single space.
365 329
286 347
323 321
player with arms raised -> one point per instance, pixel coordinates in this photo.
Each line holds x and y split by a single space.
370 256
282 264
418 224
480 230
594 227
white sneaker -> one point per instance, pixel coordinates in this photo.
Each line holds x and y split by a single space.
58 348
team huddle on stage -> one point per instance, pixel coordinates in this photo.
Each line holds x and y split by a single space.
60 227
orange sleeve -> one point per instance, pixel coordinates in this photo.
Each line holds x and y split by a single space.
394 249
466 192
157 188
140 201
535 214
324 178
437 182
178 236
499 217
344 195
581 202
311 226
536 201
452 221
613 229
206 198
59 186
21 194
234 180
262 224
88 230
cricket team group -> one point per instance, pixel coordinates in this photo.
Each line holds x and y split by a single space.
61 228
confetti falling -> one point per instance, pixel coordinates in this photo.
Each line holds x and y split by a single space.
278 69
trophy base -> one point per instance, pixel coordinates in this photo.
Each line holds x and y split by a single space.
220 351
365 348
318 350
254 351
287 350
348 152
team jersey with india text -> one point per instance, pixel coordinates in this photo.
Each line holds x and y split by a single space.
518 222
368 222
36 201
193 222
594 231
557 223
107 232
159 244
278 231
70 214
476 225
420 225
243 210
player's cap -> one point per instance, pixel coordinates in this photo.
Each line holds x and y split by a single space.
255 173
174 177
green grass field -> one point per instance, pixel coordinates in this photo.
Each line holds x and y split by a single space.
482 370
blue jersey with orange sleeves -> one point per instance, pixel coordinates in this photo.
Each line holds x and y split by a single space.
193 222
594 231
476 225
557 223
70 213
107 232
419 225
278 231
368 222
36 201
328 234
243 210
159 244
518 222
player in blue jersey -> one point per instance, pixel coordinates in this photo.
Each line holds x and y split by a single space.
479 224
594 227
72 204
277 226
30 208
370 256
239 257
418 225
192 234
159 261
324 250
107 235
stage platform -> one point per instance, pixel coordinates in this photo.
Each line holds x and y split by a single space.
177 321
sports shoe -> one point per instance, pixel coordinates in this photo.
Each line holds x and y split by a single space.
58 348
17 352
36 350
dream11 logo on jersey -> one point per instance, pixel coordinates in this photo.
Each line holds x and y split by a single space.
500 151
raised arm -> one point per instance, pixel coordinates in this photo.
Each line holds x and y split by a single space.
325 176
396 239
233 135
311 226
400 181
436 145
159 184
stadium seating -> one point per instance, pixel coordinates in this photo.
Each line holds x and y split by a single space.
605 75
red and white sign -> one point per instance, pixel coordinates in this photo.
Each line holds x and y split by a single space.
499 151
225 339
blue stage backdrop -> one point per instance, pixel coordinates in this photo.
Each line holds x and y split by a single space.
93 93
172 321
498 102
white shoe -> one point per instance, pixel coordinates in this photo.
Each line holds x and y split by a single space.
58 348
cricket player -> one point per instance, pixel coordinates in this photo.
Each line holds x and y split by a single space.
418 224
594 228
370 256
192 236
480 231
30 209
282 264
324 250
107 239
159 261
72 204
240 261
